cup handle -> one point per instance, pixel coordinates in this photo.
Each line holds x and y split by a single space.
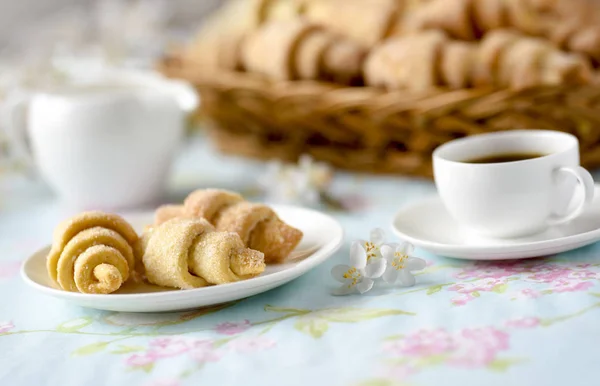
15 122
586 182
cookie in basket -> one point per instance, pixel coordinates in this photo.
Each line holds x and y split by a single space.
366 22
301 50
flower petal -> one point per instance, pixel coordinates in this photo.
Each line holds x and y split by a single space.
406 249
343 290
365 285
390 275
406 278
358 255
377 236
387 251
338 272
415 264
376 268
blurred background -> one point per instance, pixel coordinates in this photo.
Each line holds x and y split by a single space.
35 36
36 23
281 79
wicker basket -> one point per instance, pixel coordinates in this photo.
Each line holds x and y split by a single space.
371 130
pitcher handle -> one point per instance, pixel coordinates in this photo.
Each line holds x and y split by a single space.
14 114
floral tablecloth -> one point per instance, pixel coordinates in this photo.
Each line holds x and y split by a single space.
529 322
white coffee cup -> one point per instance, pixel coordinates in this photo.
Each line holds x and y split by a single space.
106 143
513 199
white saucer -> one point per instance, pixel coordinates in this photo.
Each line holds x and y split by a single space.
323 236
428 225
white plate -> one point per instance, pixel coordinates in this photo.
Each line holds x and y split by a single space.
428 225
323 236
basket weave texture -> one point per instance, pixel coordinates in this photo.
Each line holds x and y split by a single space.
373 130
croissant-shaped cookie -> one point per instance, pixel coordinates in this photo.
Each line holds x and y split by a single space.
92 252
271 49
453 17
469 19
573 37
489 14
406 62
571 24
523 16
166 212
587 12
189 253
504 59
342 61
310 55
457 64
488 56
216 51
509 59
257 225
217 43
301 50
365 22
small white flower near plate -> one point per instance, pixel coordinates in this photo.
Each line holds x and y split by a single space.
360 274
428 225
374 259
401 263
323 236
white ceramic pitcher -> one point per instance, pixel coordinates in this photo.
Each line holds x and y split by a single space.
104 143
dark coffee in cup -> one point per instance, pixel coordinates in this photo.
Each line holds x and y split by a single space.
504 157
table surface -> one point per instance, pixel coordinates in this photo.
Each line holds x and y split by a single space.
465 323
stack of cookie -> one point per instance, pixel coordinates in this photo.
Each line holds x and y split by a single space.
377 85
503 59
297 49
402 44
570 25
215 237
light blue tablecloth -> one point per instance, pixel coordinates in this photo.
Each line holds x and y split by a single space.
532 322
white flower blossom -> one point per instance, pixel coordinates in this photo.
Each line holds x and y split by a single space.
296 184
373 246
400 263
359 275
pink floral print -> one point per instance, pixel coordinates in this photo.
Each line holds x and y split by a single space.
487 284
168 347
478 347
570 286
530 293
526 322
251 344
423 343
164 382
204 351
461 300
469 348
140 360
484 270
471 290
6 327
199 350
232 328
547 277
